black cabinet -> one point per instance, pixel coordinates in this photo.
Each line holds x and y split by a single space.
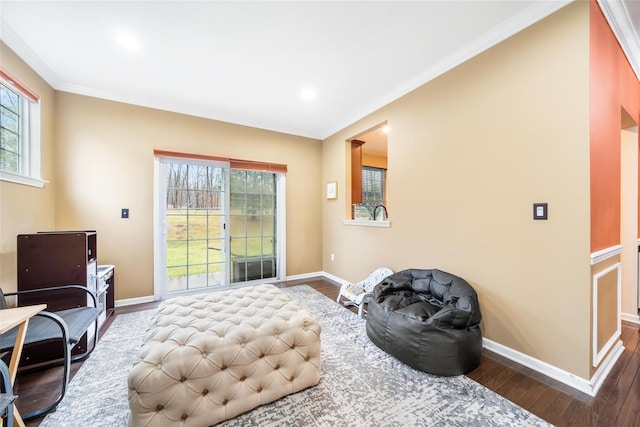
56 259
59 258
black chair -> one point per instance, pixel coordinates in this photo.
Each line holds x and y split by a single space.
67 326
6 396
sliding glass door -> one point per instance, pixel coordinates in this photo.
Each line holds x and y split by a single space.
253 225
195 217
216 226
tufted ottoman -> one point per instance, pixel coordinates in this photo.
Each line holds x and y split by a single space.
210 357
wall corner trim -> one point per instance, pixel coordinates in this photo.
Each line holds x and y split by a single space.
604 254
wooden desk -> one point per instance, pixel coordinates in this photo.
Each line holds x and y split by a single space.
10 318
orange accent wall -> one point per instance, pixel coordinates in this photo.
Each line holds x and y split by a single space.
613 86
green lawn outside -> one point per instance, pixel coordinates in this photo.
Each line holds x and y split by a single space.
245 233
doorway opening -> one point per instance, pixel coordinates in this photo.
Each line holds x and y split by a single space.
369 173
630 253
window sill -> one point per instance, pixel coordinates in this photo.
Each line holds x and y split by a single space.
367 223
21 179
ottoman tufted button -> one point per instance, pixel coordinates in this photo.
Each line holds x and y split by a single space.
259 389
223 367
292 346
307 358
225 401
205 392
242 378
183 379
184 417
275 368
260 356
159 408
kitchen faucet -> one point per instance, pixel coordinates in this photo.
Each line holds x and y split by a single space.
385 214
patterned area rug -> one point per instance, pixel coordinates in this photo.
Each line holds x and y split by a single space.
360 384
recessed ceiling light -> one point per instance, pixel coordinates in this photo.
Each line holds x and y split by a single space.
127 40
308 94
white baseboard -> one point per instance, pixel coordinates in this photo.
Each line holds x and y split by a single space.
632 318
334 278
603 371
317 274
589 387
305 276
133 301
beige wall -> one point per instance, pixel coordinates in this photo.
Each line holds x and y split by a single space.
25 209
468 155
105 162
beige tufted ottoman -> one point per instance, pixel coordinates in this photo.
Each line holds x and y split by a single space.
210 357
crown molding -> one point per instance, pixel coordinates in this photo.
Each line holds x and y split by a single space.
15 43
534 13
616 14
180 109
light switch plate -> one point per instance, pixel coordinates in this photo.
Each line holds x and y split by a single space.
125 213
540 211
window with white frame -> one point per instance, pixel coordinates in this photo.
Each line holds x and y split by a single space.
19 132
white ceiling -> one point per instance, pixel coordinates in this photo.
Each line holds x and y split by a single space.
248 62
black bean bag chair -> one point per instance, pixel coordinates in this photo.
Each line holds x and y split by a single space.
429 320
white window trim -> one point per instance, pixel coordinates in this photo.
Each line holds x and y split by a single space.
22 179
30 141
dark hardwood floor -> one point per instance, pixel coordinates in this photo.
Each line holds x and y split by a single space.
617 403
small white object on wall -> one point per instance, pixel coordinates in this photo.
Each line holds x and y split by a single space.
332 190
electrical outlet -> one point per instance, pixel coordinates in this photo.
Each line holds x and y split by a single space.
333 257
